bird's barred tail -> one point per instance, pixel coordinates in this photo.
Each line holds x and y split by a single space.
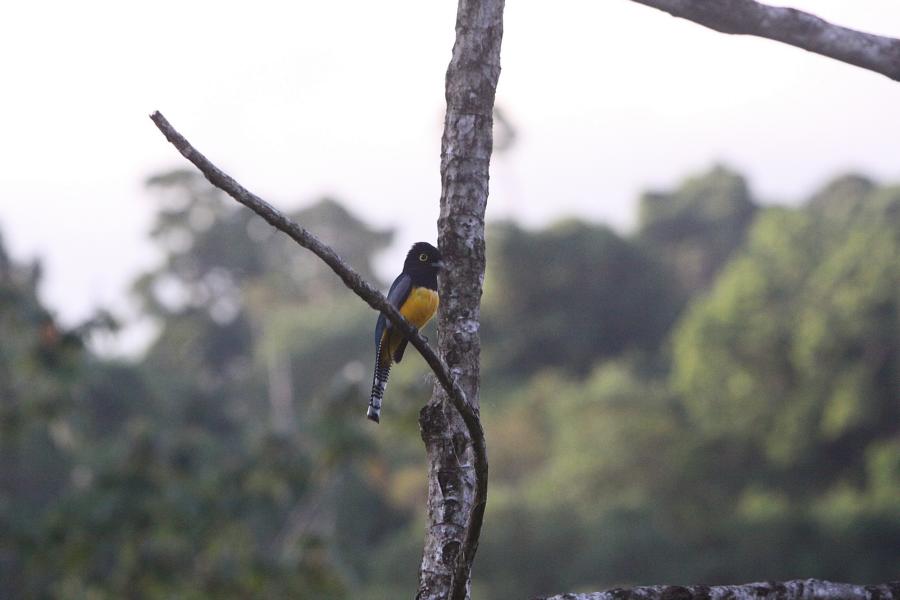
379 382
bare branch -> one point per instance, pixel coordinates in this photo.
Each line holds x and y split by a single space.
790 26
805 589
350 277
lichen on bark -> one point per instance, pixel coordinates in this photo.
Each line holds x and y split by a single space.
798 589
457 463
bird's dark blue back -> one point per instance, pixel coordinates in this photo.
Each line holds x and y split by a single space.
396 296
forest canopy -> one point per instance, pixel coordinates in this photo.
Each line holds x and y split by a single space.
711 398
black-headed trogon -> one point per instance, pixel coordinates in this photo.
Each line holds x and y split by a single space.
414 294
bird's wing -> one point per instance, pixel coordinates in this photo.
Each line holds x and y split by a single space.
398 353
397 295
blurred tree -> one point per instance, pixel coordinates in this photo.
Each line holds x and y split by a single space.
41 366
178 473
697 227
794 360
234 296
570 295
285 358
770 450
797 346
211 249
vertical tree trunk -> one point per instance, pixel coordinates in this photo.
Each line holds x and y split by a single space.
457 476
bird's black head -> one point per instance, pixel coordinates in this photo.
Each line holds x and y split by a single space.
423 263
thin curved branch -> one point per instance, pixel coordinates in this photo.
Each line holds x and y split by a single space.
350 277
790 26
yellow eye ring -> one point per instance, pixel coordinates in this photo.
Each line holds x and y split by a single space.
423 257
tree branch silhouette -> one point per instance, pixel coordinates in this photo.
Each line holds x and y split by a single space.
790 26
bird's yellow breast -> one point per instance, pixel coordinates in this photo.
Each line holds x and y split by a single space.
420 306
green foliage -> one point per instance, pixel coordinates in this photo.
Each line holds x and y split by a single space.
713 399
570 295
796 348
182 476
696 228
41 366
770 449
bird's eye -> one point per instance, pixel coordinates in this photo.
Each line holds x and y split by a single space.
423 257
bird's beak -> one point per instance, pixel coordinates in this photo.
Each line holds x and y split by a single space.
439 264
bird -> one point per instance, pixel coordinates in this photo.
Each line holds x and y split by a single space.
414 294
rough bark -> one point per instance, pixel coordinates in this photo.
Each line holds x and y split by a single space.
806 589
790 26
457 462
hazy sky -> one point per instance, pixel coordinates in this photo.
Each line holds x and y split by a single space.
344 98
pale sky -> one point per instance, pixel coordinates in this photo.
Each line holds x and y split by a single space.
343 98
